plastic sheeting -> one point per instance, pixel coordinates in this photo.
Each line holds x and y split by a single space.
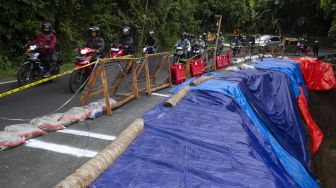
316 133
317 74
195 144
291 68
231 88
294 73
270 94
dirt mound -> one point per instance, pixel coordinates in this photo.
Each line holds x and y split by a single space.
322 106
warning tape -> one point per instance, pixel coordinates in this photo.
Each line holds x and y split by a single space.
58 75
43 80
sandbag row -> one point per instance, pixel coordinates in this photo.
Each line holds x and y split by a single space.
17 134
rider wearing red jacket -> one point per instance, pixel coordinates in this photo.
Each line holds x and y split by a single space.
46 41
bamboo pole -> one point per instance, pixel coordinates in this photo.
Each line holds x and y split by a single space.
177 97
201 80
90 170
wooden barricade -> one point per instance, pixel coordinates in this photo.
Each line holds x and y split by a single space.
154 71
115 78
210 61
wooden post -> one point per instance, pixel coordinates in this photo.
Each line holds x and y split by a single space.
135 81
219 21
106 92
148 80
92 81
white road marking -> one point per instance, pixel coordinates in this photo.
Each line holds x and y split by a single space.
12 81
89 134
33 143
161 95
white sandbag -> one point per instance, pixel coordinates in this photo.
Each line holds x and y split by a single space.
47 123
9 140
75 114
232 68
112 102
56 116
245 66
97 109
25 130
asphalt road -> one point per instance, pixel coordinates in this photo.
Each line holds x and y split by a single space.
47 162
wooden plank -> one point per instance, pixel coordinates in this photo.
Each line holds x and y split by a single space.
135 82
219 21
91 82
106 92
148 80
122 102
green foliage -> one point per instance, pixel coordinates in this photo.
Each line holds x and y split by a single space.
22 19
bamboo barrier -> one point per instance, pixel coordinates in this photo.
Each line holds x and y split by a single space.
177 97
90 170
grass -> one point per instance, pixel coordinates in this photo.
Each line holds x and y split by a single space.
11 73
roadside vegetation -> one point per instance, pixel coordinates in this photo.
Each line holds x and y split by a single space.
20 21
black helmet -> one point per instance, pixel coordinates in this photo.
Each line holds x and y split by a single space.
46 25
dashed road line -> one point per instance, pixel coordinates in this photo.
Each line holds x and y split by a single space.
86 133
59 148
160 95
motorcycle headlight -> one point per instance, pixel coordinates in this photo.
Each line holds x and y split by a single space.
84 51
32 48
114 49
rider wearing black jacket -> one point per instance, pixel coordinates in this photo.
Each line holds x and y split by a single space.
95 41
151 41
127 41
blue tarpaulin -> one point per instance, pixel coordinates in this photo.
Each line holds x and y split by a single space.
230 86
291 68
271 95
207 140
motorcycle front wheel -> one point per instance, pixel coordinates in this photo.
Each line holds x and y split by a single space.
77 79
55 69
25 75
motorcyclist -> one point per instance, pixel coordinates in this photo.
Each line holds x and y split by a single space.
184 43
220 43
95 42
151 42
46 41
127 41
200 42
205 38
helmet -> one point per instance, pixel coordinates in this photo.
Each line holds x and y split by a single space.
125 30
46 25
183 34
151 33
94 29
220 33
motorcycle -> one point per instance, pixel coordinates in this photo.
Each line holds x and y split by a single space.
235 49
78 77
304 49
178 54
148 50
33 69
198 50
117 50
